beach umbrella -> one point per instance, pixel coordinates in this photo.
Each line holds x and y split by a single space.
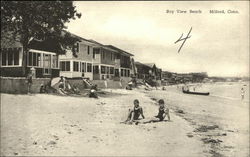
55 81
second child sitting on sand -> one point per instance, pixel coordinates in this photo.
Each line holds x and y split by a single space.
135 113
163 112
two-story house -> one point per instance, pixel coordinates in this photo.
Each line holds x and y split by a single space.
78 62
95 61
104 63
123 62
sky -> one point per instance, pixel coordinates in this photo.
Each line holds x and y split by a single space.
219 43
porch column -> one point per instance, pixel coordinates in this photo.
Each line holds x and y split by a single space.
51 60
42 65
21 56
71 66
100 73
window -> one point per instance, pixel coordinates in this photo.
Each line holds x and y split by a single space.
117 72
4 56
62 66
95 51
65 65
88 50
96 69
54 61
103 69
35 59
47 71
10 58
121 72
39 60
75 66
83 67
103 54
89 67
111 70
46 60
128 73
76 48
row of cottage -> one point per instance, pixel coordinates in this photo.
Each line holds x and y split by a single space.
87 59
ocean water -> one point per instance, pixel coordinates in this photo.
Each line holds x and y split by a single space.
228 90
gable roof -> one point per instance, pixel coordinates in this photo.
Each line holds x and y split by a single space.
95 43
120 50
151 65
139 63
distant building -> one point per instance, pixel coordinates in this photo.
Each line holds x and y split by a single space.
142 70
148 71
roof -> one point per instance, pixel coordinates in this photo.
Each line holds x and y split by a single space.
103 46
120 50
83 39
96 44
151 65
47 45
139 63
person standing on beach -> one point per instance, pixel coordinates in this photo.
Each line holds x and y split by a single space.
135 113
29 81
242 93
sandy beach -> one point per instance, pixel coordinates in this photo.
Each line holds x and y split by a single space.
41 124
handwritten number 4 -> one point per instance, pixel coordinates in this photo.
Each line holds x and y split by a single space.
184 39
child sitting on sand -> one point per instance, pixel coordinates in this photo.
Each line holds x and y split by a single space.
163 112
135 113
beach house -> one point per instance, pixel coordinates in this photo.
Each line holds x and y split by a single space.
123 63
78 61
111 63
41 57
142 70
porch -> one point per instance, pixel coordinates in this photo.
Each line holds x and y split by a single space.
109 72
45 63
71 68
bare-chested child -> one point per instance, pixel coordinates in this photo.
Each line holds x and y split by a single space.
162 113
135 113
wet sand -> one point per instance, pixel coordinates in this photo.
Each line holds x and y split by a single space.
52 125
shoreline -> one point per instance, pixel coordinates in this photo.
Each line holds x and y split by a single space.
212 125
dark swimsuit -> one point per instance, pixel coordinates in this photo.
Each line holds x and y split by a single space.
160 113
137 113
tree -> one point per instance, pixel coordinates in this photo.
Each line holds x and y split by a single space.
38 21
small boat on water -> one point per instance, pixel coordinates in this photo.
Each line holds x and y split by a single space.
196 93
